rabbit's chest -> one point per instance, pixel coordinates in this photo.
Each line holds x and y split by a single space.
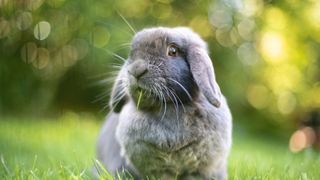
168 135
149 159
158 147
167 150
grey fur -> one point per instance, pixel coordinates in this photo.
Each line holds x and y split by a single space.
182 128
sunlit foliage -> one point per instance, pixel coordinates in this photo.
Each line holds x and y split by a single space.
266 53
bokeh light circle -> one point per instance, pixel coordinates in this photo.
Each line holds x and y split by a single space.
69 55
42 30
43 58
247 54
258 96
223 37
55 3
246 29
4 28
33 4
29 52
23 20
3 3
81 46
100 36
298 141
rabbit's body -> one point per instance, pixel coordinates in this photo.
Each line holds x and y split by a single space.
182 139
195 143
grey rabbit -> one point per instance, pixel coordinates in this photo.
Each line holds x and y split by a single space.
169 119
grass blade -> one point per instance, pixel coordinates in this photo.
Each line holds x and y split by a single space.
5 166
103 173
139 100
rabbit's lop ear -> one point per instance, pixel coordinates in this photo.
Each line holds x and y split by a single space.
118 97
202 70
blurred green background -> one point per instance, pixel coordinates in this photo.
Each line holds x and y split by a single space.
57 56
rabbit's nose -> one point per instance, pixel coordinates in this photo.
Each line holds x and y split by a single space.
137 68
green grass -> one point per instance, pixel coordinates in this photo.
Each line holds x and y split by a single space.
54 149
65 149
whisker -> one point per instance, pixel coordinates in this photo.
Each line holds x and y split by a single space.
158 96
165 108
114 54
119 96
99 97
183 88
117 67
115 64
174 95
128 44
112 109
125 20
175 102
116 27
183 107
99 75
125 44
165 103
107 81
122 46
107 93
160 63
119 57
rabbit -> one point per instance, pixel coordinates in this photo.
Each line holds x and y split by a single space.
168 119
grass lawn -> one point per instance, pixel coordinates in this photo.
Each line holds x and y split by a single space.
65 149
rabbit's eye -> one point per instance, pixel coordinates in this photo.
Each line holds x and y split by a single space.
172 50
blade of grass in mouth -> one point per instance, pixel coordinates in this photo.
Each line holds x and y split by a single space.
139 99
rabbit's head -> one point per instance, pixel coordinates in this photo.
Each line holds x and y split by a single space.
166 65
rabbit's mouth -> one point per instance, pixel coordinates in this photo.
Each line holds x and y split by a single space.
145 98
146 92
